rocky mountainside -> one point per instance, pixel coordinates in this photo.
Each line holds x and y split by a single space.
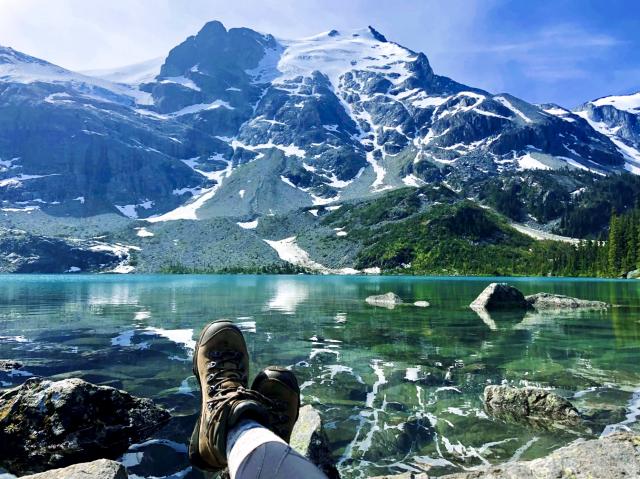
260 139
617 117
239 123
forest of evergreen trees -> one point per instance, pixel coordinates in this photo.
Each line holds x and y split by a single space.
613 255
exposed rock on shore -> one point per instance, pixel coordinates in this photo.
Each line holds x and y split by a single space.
388 300
613 457
547 301
46 424
500 296
529 403
100 469
309 439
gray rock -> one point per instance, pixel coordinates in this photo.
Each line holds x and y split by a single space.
422 304
498 296
529 403
309 439
46 424
22 252
100 469
388 300
404 475
611 457
635 274
9 365
547 301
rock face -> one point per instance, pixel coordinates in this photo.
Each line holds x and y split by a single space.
612 457
635 274
547 301
100 469
309 439
500 296
321 116
22 252
46 424
388 300
528 403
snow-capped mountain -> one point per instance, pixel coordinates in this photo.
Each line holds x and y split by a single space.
618 117
240 123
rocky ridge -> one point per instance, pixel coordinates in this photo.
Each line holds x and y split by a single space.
238 123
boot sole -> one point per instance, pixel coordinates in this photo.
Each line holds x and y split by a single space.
194 444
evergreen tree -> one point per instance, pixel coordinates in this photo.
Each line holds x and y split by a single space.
614 247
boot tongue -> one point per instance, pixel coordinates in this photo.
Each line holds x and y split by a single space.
230 383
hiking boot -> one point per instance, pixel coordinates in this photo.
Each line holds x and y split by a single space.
281 387
221 366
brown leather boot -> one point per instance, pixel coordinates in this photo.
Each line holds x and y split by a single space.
281 387
221 365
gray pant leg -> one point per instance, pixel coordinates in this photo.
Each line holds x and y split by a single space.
276 460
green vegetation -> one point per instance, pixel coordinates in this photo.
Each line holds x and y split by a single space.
416 232
580 203
279 268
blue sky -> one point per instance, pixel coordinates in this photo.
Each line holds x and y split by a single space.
562 51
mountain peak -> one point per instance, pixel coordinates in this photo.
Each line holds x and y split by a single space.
212 28
377 35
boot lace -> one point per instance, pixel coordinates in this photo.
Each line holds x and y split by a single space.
224 383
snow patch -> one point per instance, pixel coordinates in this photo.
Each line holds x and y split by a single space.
528 162
510 106
144 233
248 225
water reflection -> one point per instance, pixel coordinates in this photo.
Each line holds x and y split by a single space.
288 295
399 389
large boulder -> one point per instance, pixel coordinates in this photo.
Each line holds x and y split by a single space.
635 274
612 457
309 439
500 296
388 300
46 424
100 469
529 403
548 301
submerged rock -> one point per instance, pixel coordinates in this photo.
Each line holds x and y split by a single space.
9 365
499 296
524 403
548 301
309 439
388 300
46 424
100 469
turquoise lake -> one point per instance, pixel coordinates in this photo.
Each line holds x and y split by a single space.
399 389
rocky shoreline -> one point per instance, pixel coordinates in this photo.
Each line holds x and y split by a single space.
72 429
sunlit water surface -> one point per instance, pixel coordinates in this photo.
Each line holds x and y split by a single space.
398 389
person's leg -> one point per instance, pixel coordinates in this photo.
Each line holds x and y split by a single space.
245 429
255 452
